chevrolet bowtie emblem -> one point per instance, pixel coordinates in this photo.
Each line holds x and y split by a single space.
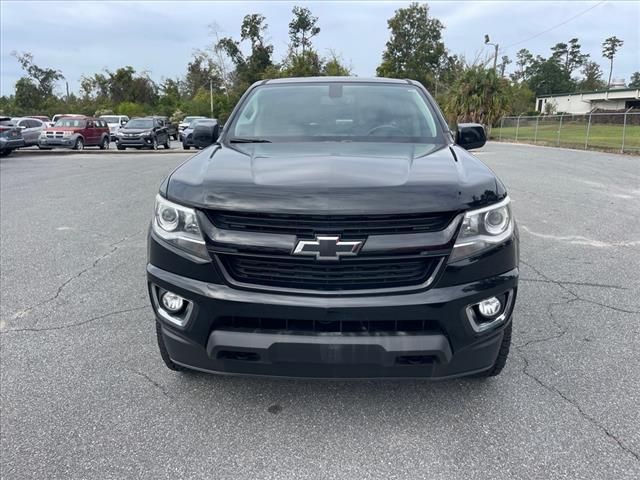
328 247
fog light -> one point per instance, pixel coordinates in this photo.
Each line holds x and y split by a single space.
172 302
489 307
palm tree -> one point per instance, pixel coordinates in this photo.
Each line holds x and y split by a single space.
609 49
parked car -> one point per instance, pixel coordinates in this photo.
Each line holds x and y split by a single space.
114 122
31 129
337 228
147 132
42 118
75 132
186 121
10 136
172 128
187 134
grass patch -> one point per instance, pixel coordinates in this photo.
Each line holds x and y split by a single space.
572 134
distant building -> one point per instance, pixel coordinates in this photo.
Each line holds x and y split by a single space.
619 99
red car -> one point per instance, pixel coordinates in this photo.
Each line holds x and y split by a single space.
75 133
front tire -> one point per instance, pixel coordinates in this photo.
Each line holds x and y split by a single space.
501 361
185 147
164 354
5 153
120 147
167 144
154 146
104 145
79 145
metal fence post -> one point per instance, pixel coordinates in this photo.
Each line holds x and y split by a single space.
624 129
559 129
535 135
586 142
501 124
518 127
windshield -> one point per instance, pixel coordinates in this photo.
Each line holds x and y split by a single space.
140 123
337 112
111 119
70 122
190 119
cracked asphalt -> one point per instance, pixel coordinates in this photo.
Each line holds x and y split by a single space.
84 393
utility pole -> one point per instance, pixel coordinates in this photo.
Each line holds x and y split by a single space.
496 46
211 94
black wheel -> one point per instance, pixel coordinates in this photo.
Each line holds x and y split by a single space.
167 144
79 144
163 352
120 147
501 361
4 153
175 137
186 147
104 145
44 148
154 146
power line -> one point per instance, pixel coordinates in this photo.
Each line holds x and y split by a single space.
554 27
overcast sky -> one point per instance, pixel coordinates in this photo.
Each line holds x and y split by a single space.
160 36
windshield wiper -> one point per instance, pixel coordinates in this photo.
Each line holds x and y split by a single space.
248 140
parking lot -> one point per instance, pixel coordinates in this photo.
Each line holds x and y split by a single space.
84 393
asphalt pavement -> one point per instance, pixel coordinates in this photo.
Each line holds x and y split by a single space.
84 394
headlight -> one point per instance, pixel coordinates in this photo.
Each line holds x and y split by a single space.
43 134
145 134
119 133
482 229
67 133
178 226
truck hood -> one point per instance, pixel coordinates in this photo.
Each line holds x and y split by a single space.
334 177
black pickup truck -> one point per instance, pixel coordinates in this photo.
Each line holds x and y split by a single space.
336 228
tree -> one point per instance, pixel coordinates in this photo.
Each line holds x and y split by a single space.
481 97
569 55
634 81
524 60
592 77
503 66
415 48
302 28
547 76
43 78
609 49
200 71
28 97
333 66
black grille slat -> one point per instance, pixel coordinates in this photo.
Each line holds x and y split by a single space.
346 274
345 225
344 327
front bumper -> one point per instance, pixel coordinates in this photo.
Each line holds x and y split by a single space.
135 142
66 142
451 347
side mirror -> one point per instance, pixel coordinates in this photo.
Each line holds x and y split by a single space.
123 123
205 134
470 135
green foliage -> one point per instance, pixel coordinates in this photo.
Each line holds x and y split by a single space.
481 96
569 55
415 48
634 81
302 29
130 109
548 76
592 77
609 49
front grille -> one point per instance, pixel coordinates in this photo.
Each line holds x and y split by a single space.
347 274
344 225
296 326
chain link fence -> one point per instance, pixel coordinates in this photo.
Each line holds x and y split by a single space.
618 132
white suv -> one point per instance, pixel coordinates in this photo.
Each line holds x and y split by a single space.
114 122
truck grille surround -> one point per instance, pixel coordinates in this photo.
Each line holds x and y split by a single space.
261 267
344 225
